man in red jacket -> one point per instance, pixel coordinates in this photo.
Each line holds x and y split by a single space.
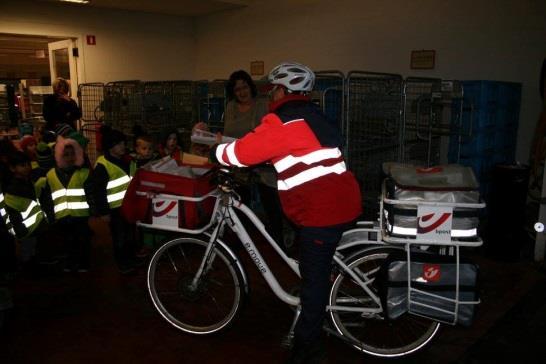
317 192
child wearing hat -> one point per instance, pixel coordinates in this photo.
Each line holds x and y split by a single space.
28 146
65 191
25 207
107 186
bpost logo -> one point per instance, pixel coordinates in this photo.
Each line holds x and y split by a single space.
162 208
434 223
430 222
431 272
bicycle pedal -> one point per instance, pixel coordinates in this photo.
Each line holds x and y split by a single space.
288 341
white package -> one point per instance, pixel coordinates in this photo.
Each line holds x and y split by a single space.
208 138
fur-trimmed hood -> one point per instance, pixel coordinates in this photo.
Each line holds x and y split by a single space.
59 148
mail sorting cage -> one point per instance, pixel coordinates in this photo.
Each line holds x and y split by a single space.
158 108
123 105
422 119
5 105
328 93
91 99
373 130
211 103
184 108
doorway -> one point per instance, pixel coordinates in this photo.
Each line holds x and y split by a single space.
28 64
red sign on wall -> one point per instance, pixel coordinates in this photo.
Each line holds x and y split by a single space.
91 40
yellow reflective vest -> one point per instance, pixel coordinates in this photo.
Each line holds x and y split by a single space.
118 181
30 210
4 214
69 201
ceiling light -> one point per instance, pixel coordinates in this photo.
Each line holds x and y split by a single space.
75 1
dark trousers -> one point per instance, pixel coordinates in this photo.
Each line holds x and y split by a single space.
8 257
317 248
77 236
123 239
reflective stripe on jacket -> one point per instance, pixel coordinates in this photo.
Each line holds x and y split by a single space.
118 181
30 210
69 201
5 216
315 187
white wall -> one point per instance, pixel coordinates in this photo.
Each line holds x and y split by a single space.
130 45
503 40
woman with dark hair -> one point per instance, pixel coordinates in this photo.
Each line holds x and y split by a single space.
243 110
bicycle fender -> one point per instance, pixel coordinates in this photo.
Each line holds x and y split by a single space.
235 259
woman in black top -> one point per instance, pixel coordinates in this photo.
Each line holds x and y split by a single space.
59 107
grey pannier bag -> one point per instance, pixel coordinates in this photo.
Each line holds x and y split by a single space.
448 183
433 283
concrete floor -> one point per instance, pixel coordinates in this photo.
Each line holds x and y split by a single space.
103 317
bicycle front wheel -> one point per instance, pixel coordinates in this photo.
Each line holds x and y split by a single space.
201 306
374 334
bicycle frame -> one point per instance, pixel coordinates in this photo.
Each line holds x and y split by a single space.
227 202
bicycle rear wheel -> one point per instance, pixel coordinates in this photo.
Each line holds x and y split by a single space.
374 334
203 308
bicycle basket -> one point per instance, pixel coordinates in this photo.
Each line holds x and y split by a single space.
190 215
437 289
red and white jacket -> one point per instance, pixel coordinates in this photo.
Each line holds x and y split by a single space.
315 187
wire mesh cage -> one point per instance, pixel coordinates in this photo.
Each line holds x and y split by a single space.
211 102
328 93
90 129
91 98
422 120
373 130
184 108
158 108
123 105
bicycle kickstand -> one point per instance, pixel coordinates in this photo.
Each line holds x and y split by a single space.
288 340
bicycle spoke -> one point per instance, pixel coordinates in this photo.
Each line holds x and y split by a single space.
204 308
375 335
172 262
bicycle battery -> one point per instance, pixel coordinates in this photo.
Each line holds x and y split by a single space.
428 286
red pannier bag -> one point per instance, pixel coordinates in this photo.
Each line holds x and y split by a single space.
191 215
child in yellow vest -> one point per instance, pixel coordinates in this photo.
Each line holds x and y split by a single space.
24 205
65 188
108 184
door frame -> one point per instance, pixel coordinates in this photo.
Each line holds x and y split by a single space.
68 44
77 42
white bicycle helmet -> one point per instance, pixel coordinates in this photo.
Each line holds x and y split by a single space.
293 76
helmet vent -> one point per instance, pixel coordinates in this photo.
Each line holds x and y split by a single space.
296 70
296 80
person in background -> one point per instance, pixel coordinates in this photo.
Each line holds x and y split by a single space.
318 193
65 193
144 150
144 153
170 146
8 259
106 188
45 161
244 111
59 107
63 129
28 146
8 256
6 149
25 129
